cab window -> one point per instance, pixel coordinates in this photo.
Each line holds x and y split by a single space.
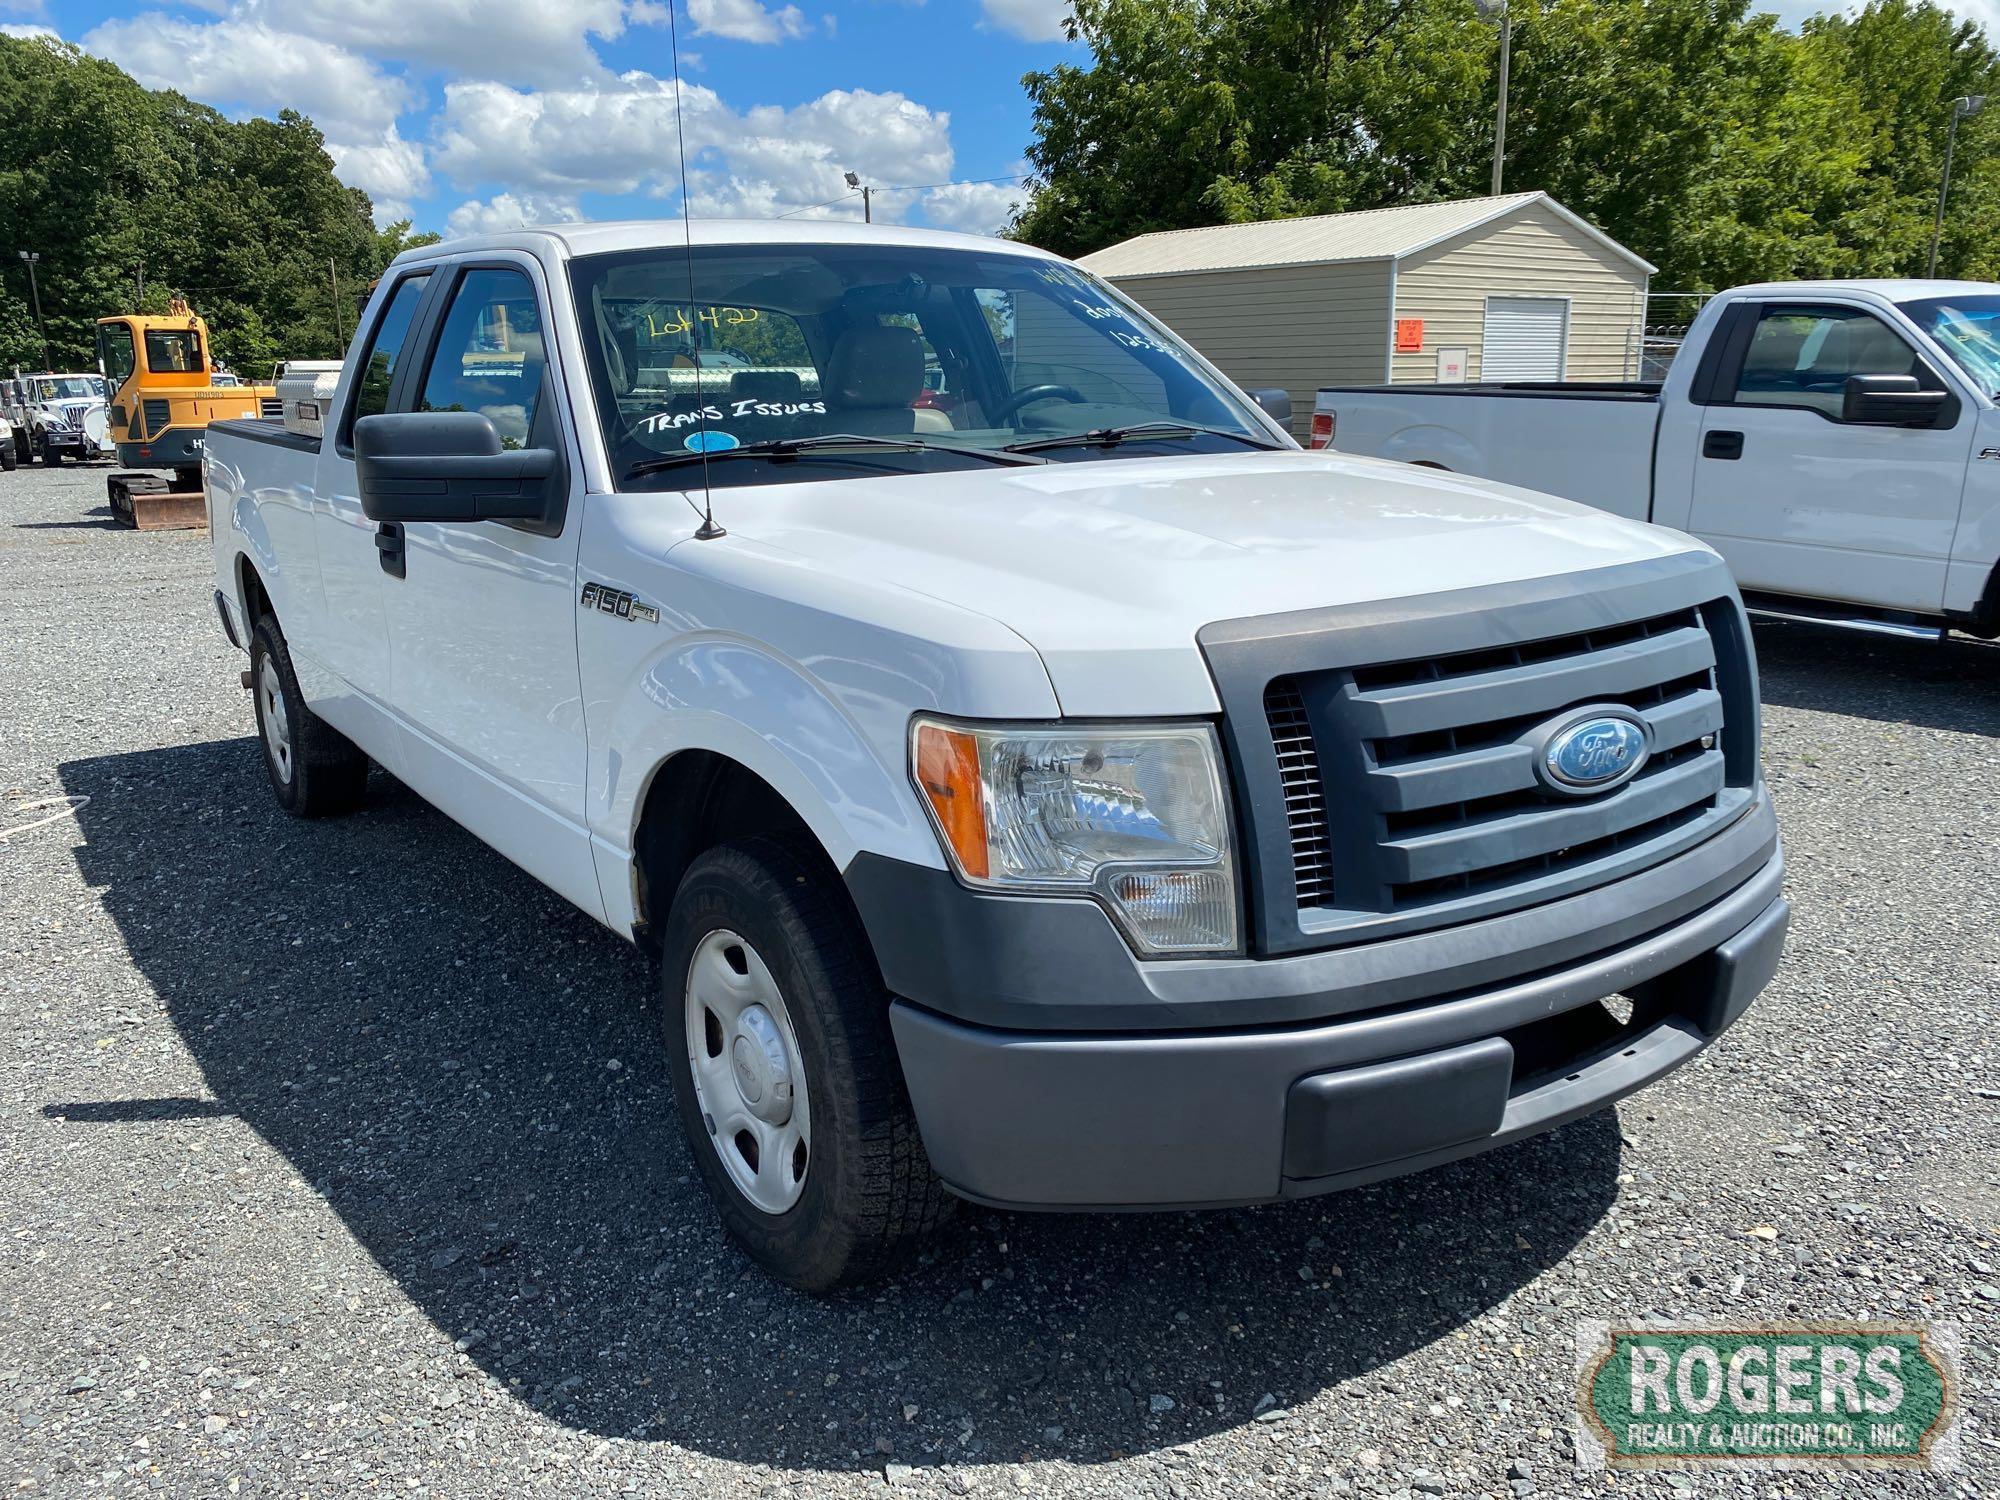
114 349
489 356
385 349
172 350
1803 356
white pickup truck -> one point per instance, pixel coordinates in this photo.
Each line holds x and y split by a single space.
1838 442
1040 780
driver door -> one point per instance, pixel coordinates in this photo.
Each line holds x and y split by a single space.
1801 501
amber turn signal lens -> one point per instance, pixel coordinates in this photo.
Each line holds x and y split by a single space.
948 772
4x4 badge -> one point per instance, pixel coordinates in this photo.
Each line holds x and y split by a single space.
617 602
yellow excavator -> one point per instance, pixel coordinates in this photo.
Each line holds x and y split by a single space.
163 396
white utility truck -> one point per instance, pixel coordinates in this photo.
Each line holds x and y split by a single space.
1040 780
1838 442
55 416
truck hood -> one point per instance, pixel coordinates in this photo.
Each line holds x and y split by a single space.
1109 568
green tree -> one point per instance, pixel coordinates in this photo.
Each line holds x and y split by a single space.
102 178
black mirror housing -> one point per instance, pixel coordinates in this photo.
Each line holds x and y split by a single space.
1277 405
452 466
1894 401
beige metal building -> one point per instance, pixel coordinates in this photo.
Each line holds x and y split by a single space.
1509 288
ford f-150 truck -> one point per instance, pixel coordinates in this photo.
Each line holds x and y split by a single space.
1838 442
1042 782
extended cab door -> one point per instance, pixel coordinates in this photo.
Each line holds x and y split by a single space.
351 640
1803 502
482 615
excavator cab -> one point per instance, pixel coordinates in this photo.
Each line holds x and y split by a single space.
163 396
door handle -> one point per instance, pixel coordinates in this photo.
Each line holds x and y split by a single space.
389 549
1722 445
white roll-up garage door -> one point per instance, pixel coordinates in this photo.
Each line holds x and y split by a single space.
1526 338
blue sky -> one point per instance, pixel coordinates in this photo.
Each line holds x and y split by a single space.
466 114
474 114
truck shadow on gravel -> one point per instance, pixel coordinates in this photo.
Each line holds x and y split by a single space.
1953 684
466 1070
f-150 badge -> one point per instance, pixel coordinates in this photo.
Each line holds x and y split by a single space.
617 602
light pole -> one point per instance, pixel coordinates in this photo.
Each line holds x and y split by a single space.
867 210
1491 8
1971 104
32 258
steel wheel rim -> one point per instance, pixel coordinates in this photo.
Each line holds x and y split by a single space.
749 1077
277 723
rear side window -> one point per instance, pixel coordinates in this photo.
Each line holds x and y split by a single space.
489 355
172 350
378 371
114 350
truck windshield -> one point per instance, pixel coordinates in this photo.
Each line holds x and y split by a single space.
1968 329
68 388
947 350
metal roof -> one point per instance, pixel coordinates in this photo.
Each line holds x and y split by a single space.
1372 234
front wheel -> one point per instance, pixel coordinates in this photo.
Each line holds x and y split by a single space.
776 1025
51 455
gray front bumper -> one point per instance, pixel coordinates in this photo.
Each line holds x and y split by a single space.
1077 1120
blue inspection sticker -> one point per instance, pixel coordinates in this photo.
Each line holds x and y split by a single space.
709 441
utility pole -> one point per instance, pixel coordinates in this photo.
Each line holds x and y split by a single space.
1499 8
339 333
867 208
1971 104
33 258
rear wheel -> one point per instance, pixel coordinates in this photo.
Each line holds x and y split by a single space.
785 1073
315 770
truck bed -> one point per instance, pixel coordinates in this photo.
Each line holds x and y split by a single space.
1590 441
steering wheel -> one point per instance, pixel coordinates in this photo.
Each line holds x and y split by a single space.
1031 393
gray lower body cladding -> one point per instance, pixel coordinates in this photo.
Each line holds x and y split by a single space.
1185 1119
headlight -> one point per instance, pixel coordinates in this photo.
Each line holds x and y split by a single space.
1133 815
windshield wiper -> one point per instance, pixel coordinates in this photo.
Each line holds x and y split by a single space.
1111 437
780 449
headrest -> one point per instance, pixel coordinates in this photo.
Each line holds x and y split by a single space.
766 385
878 365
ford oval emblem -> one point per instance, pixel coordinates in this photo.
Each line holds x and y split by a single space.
1593 753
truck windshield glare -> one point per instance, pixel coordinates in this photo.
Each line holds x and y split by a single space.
1968 329
955 354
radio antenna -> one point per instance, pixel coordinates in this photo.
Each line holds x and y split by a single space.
708 531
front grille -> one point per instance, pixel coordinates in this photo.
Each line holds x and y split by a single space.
159 412
1433 761
1388 755
270 406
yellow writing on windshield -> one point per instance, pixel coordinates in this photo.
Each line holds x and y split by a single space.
681 320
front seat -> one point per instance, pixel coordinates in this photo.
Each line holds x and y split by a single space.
875 372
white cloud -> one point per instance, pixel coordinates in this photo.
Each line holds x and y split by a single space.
746 20
757 163
391 170
1031 20
26 30
649 13
247 63
511 211
974 207
519 41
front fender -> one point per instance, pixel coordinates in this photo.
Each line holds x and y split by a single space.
739 699
1437 446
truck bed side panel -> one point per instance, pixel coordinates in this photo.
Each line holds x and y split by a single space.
260 509
1584 444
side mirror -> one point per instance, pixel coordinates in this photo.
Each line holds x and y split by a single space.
451 466
1277 405
1892 401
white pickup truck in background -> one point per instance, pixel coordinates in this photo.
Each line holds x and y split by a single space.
1837 442
1038 778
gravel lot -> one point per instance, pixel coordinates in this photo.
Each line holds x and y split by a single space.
339 1160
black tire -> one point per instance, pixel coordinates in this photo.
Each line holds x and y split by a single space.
869 1193
9 459
51 455
323 775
